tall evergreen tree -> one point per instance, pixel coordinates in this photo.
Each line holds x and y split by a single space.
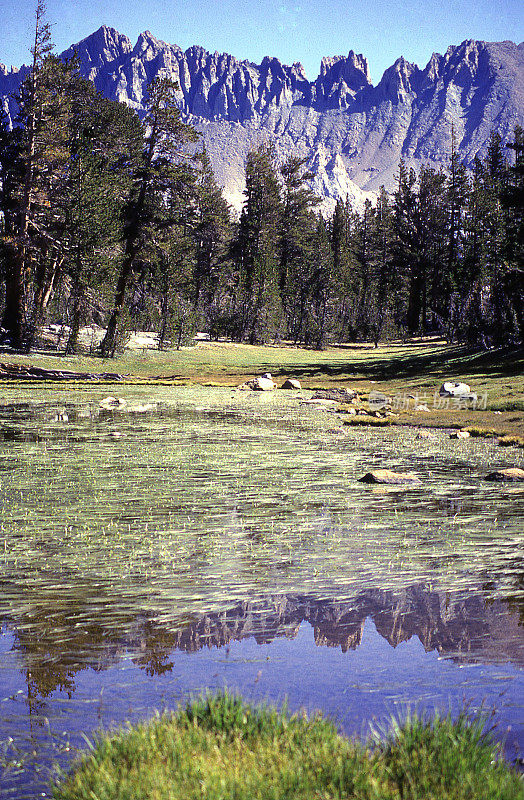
164 138
345 272
33 101
105 145
212 234
298 245
383 281
454 278
257 251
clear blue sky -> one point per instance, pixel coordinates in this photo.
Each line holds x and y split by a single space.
291 30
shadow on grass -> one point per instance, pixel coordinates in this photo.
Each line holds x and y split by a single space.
446 362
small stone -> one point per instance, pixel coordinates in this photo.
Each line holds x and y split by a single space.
112 402
342 395
388 476
452 389
424 434
319 401
261 384
459 435
508 474
291 383
422 407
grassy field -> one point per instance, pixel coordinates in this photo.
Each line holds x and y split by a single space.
219 747
409 373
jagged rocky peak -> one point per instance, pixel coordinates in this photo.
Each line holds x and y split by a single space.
467 63
399 80
352 134
104 46
340 79
148 46
297 69
433 69
354 67
4 71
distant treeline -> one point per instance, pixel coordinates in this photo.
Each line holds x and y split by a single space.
116 219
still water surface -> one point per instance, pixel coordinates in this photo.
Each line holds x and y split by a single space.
201 538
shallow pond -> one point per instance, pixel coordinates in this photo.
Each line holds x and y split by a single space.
197 538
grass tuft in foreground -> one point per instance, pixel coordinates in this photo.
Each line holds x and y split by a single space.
220 747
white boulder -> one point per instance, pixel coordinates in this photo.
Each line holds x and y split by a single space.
264 383
452 389
110 403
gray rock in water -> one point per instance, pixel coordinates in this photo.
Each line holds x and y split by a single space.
508 474
459 435
264 384
388 476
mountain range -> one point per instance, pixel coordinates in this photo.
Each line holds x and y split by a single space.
352 132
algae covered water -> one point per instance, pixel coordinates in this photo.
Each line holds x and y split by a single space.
195 538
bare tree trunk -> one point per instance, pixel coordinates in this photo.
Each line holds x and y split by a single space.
13 320
46 281
109 342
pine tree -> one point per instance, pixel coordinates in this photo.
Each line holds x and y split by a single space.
33 104
212 234
104 146
512 198
454 277
512 280
298 246
383 282
257 252
345 274
321 317
164 138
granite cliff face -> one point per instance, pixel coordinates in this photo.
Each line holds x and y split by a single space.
352 132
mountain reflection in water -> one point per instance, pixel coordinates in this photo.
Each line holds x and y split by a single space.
464 627
357 659
222 542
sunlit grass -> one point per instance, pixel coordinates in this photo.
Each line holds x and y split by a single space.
219 747
414 369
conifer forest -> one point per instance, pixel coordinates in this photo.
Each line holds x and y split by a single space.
116 219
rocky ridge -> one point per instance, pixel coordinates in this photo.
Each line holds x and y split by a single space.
352 133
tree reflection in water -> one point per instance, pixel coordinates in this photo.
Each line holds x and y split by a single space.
464 627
